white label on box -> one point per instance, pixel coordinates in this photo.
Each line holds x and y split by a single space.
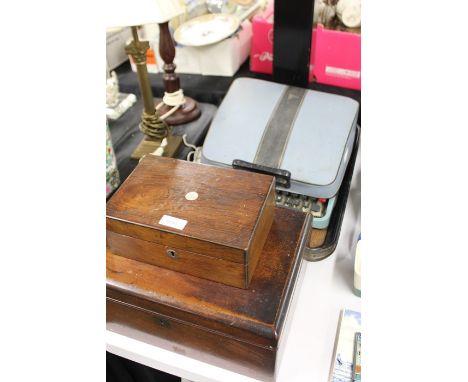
342 72
171 221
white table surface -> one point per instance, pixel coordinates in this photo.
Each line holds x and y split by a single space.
326 289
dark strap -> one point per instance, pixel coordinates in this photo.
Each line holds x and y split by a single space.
276 134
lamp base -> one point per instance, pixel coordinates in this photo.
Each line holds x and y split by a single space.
186 113
149 145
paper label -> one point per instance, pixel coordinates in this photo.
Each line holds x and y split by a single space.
340 72
171 221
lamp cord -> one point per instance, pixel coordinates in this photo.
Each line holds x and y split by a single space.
175 99
195 155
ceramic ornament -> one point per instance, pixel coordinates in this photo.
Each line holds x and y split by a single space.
206 29
323 12
349 12
112 90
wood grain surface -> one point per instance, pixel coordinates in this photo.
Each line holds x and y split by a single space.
252 315
317 237
226 213
191 341
237 329
226 272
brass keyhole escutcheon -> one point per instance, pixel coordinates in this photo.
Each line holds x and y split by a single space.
171 253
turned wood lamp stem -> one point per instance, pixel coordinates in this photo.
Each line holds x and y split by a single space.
189 110
167 52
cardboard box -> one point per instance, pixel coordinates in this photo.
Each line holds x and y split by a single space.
335 55
223 58
337 58
116 39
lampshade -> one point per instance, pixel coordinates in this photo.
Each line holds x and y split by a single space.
124 13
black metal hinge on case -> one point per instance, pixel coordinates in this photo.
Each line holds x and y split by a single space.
282 177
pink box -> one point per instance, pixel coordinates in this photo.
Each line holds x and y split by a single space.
335 55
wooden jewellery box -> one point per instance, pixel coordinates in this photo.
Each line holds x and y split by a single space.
242 330
205 221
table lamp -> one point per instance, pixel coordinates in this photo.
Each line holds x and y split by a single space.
175 108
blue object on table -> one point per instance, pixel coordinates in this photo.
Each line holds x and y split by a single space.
308 133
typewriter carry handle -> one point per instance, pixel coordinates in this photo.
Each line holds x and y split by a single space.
282 177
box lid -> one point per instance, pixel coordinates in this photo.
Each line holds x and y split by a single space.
306 132
255 315
188 205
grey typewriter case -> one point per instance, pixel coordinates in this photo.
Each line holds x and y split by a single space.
304 133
